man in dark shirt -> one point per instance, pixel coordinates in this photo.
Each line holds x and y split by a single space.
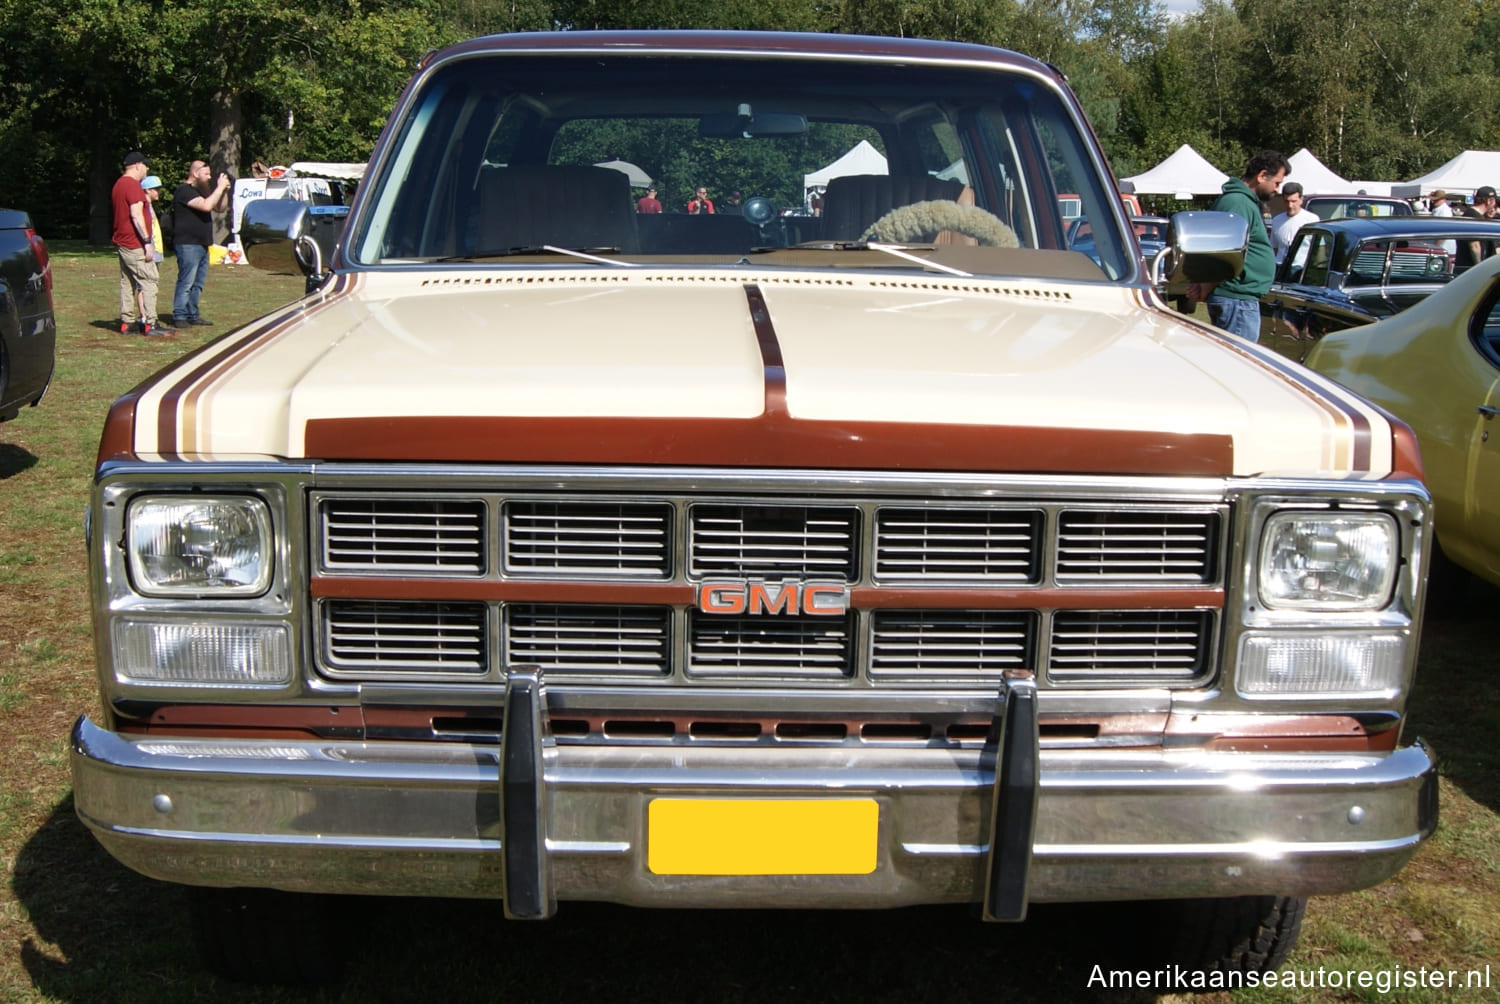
193 206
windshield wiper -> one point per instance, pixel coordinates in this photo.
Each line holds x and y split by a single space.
894 250
583 254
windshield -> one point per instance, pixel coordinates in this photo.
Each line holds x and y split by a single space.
701 160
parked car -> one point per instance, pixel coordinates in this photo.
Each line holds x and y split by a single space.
1357 207
28 328
1437 365
550 551
1347 273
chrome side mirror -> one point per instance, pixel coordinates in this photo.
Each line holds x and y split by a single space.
1202 247
284 235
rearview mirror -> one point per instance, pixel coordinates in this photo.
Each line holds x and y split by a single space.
748 124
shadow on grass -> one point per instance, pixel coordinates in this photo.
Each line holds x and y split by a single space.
14 459
109 934
1455 703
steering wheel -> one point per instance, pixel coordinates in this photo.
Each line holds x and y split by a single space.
923 221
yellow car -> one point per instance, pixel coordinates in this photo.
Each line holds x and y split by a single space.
1437 366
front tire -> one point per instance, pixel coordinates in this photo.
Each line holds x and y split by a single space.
1247 934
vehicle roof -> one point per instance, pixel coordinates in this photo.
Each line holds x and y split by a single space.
753 43
1355 197
1401 226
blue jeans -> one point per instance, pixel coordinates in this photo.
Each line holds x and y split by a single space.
1238 317
192 273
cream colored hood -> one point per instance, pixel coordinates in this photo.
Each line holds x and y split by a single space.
377 357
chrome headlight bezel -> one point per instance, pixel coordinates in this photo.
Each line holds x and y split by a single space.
188 523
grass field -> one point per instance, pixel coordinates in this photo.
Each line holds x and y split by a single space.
75 926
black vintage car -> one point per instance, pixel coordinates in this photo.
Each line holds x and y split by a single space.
1342 273
28 331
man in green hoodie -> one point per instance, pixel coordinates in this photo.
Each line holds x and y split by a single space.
1234 304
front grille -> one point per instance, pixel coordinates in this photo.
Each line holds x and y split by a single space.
1131 646
773 542
816 648
405 637
611 641
1136 546
604 587
402 535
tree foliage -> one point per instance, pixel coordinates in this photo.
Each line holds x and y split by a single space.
1375 88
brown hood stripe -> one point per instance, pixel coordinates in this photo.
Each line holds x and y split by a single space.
172 439
770 352
770 441
1343 414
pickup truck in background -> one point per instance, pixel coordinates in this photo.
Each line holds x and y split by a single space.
552 550
28 327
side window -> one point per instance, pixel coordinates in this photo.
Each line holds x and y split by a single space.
1367 264
1318 254
1486 327
1297 260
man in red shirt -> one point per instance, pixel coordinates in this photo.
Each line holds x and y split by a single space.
700 202
132 239
648 203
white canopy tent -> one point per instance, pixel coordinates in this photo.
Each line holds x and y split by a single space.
1184 174
638 178
1464 173
1314 176
326 169
1371 187
862 159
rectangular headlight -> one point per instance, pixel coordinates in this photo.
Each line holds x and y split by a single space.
199 653
180 545
1346 664
1328 561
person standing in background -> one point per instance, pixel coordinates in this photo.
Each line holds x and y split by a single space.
648 203
1284 226
1437 205
151 185
193 206
700 202
132 237
1234 304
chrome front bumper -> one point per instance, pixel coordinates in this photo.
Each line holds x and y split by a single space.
426 818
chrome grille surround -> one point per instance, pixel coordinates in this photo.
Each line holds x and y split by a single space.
950 584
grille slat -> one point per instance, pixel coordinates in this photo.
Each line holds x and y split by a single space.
950 642
405 637
803 647
1136 546
613 540
610 641
773 542
1129 646
395 534
989 544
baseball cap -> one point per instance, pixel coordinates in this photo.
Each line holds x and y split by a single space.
1484 192
150 181
1436 195
136 157
1292 188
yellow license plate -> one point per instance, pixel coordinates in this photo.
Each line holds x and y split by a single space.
769 836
